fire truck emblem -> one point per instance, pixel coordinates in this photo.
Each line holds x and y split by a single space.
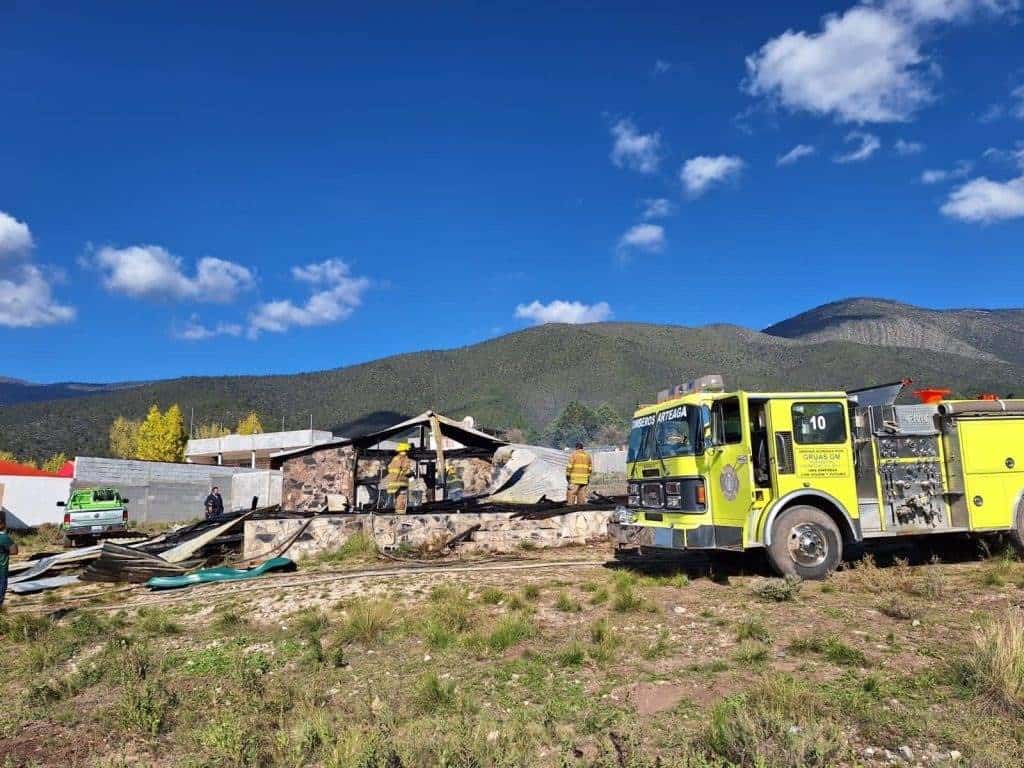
729 482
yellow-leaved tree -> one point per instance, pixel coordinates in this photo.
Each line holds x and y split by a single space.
162 435
55 462
250 424
211 430
8 456
124 438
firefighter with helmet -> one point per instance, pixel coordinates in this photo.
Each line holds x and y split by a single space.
400 470
577 476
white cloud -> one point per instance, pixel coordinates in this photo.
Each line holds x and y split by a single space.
865 65
985 201
658 208
935 176
869 144
26 296
1018 97
15 237
796 153
906 148
699 173
643 237
661 67
992 113
341 294
573 312
26 300
194 330
634 150
149 271
926 11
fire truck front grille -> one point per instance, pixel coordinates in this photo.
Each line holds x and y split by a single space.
650 495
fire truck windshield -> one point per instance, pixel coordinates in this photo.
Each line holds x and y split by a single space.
673 432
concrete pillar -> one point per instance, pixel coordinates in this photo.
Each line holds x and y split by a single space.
253 464
220 459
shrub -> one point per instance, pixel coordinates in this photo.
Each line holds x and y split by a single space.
659 648
229 621
832 648
531 592
777 724
510 630
777 590
437 635
432 694
600 596
232 741
24 627
155 622
751 652
752 628
145 708
996 668
367 621
567 604
310 622
626 600
572 655
492 596
357 546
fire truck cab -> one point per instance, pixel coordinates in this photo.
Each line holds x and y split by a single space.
807 475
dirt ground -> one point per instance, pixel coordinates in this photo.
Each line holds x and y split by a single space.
557 658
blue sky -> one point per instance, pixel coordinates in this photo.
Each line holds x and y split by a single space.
256 188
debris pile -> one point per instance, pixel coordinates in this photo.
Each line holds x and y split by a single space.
174 554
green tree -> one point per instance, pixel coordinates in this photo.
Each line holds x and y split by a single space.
124 438
211 430
576 424
613 428
250 424
162 435
55 462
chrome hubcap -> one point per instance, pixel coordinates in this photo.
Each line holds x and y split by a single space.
807 545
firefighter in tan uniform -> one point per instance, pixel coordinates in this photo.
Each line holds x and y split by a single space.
399 471
577 475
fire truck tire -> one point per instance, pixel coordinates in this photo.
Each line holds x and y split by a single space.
805 543
1017 532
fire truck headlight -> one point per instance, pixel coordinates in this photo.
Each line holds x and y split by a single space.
634 501
674 502
672 488
634 489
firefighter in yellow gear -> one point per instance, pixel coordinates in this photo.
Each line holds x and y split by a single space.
399 471
577 476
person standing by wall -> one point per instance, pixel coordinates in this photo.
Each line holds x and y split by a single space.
214 503
399 471
7 548
577 476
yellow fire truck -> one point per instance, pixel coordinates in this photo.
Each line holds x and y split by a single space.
805 475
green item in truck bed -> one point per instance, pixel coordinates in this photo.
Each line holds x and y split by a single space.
210 575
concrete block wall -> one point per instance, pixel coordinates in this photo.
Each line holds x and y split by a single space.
161 491
498 532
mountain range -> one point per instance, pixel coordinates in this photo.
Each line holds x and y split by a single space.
525 379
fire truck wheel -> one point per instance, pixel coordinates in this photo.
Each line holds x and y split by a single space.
1017 532
805 543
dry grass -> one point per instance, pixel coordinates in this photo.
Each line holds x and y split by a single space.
997 666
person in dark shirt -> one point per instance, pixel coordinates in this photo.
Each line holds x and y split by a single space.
214 503
7 548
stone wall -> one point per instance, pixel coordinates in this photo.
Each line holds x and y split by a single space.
308 479
497 533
